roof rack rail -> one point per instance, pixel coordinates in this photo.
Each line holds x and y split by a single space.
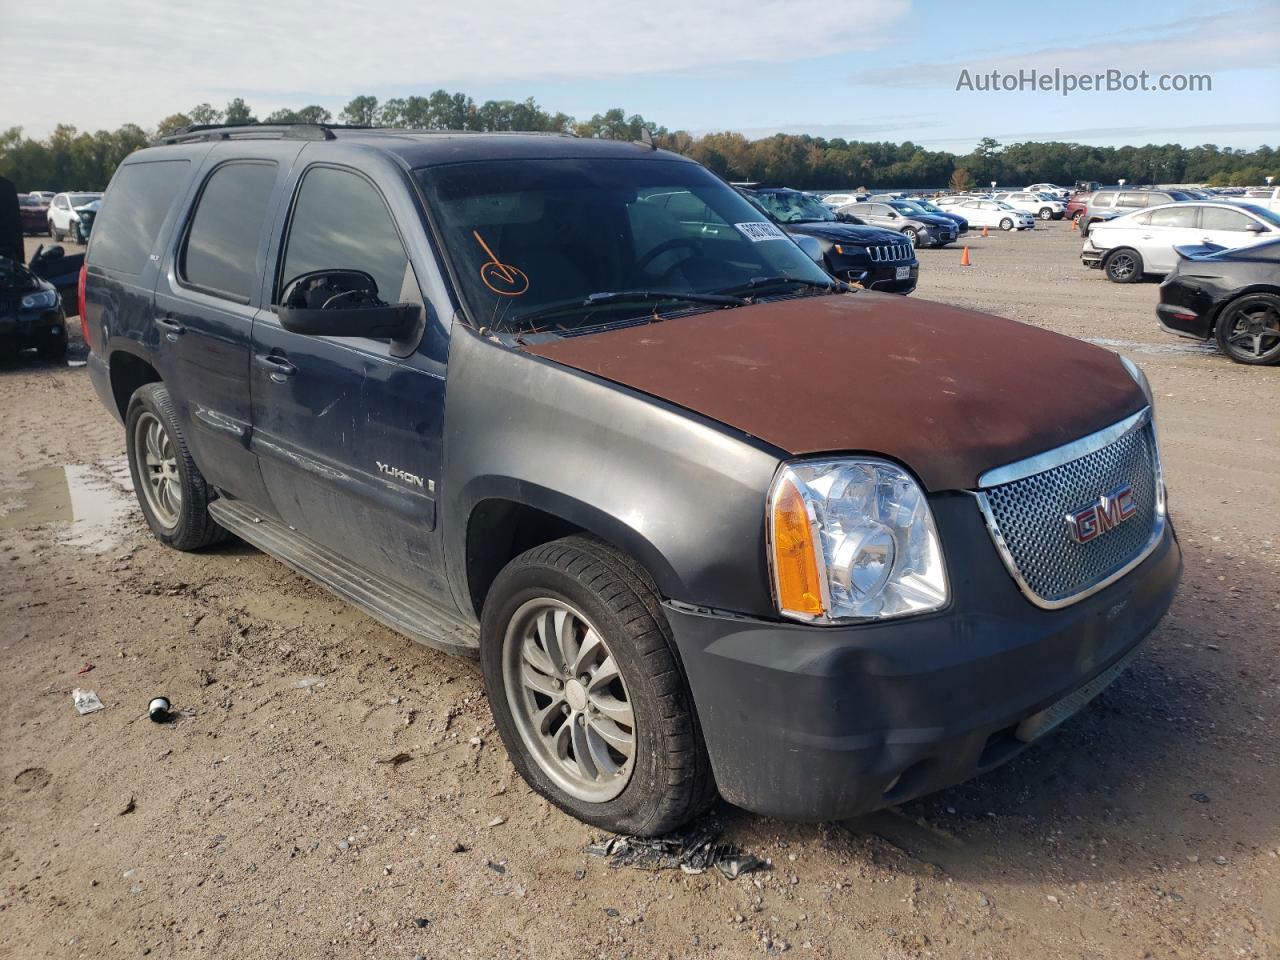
320 131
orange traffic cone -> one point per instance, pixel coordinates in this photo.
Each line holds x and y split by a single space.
984 232
964 258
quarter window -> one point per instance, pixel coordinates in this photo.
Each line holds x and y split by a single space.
133 211
220 254
341 222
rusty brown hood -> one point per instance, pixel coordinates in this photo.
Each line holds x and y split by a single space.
949 392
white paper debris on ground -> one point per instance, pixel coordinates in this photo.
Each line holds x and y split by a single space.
86 701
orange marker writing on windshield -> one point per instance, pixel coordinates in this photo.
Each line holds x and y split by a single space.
502 278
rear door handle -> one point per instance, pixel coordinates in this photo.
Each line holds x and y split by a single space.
172 328
280 367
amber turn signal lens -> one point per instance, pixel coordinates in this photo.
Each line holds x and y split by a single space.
795 565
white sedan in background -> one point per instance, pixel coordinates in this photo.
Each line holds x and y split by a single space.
834 200
1037 204
1142 242
1052 189
992 213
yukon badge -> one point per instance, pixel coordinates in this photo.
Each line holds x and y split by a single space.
1104 514
404 475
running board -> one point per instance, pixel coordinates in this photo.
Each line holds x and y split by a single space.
402 610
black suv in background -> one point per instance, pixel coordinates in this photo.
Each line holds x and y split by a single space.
709 519
872 257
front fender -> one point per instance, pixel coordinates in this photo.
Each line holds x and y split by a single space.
682 494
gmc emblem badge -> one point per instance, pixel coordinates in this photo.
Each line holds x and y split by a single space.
1106 513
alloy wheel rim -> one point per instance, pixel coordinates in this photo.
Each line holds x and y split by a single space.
1255 330
1121 266
568 699
157 464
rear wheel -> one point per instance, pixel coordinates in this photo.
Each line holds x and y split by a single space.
586 692
1006 224
1123 266
170 488
1249 329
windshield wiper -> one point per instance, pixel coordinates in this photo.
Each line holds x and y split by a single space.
837 286
616 296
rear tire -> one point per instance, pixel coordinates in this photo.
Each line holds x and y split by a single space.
1248 330
538 632
170 488
1123 266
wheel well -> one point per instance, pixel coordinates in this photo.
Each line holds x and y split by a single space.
1222 308
128 373
498 532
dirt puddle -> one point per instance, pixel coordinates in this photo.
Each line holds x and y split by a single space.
88 502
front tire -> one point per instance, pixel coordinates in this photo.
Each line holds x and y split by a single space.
53 232
1046 213
1006 224
1248 331
586 691
170 488
1123 266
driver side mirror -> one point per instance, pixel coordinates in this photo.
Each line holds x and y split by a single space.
1255 228
343 303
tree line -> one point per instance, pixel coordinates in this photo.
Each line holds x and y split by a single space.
72 159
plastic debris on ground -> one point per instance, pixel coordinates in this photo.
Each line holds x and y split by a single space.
694 850
86 701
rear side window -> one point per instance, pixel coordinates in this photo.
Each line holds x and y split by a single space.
341 222
220 253
1173 217
133 211
1103 199
1132 200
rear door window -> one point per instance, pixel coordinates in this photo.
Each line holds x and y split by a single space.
220 253
1103 199
133 211
1173 217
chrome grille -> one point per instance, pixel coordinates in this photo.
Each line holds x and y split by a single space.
889 252
1027 518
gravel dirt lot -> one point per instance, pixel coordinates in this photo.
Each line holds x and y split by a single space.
268 821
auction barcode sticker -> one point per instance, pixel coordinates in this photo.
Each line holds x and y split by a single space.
760 230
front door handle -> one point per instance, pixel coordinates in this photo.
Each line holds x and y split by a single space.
171 327
280 367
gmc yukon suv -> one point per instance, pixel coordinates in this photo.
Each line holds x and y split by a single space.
711 520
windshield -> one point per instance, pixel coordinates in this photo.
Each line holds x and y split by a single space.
525 237
926 206
30 202
792 206
14 276
1262 213
907 206
79 199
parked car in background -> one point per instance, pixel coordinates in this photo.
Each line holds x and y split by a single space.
71 215
994 213
1115 202
872 257
1077 206
45 195
34 210
30 313
1052 189
919 205
921 229
1232 296
711 522
1043 206
1268 197
835 200
1142 242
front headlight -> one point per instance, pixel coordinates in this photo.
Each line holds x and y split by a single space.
852 540
39 301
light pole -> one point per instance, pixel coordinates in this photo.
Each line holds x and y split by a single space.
1122 183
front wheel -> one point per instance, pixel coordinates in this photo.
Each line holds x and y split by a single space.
77 233
1249 330
1123 266
586 693
53 232
912 234
1006 224
1046 213
170 488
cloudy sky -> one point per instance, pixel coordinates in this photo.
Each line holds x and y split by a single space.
861 69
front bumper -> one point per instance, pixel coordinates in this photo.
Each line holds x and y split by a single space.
1091 256
813 723
31 328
